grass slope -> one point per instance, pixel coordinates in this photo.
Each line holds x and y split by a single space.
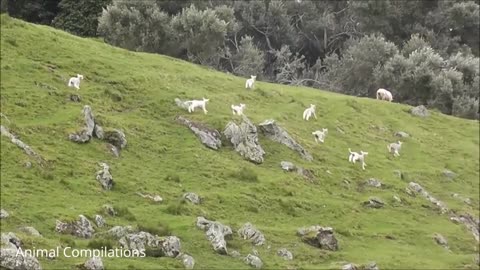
135 92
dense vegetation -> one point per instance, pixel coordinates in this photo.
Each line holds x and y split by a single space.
134 92
425 52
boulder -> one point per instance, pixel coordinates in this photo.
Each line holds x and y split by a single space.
244 138
187 260
374 203
370 266
216 233
349 266
80 228
249 232
9 259
440 240
449 174
276 133
234 253
10 240
326 239
113 149
120 231
75 98
30 231
307 230
192 197
285 254
98 132
416 188
104 177
374 183
154 198
472 224
86 133
208 136
420 111
94 263
100 221
287 166
402 134
3 214
253 261
116 137
168 247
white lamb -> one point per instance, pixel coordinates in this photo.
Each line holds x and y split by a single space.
354 157
395 148
309 112
238 109
384 94
192 104
320 135
75 81
250 82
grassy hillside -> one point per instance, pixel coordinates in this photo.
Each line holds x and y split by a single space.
135 91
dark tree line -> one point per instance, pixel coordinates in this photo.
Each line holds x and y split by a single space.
425 52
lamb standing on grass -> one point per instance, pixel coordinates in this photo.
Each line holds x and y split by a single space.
238 110
320 135
384 94
75 81
395 148
308 112
250 82
192 104
354 157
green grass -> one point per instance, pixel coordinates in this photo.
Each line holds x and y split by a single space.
135 91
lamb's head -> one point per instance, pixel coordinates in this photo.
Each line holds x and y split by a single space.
325 130
312 106
399 143
80 76
253 77
243 105
206 100
363 153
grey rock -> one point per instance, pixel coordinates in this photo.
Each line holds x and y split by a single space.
374 203
374 183
99 220
98 132
109 210
449 174
113 149
244 138
472 224
154 198
3 214
30 231
75 98
208 136
414 187
80 228
10 240
104 177
120 231
116 137
216 234
285 254
402 134
253 261
27 164
287 166
27 149
370 266
349 266
234 253
440 240
192 197
187 260
94 263
87 132
9 259
169 246
182 104
326 239
249 232
276 133
306 230
420 111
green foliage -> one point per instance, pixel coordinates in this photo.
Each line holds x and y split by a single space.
101 243
248 59
160 229
245 175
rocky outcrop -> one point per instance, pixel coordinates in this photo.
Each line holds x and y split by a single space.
30 231
290 167
374 183
100 221
187 260
244 138
349 266
75 98
104 177
285 254
472 224
274 132
414 187
86 133
192 197
116 138
249 232
374 203
9 259
10 240
402 134
94 263
154 198
27 149
216 233
420 111
3 214
120 231
208 136
165 247
440 240
318 236
253 261
80 228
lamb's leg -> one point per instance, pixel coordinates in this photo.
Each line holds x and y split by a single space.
314 115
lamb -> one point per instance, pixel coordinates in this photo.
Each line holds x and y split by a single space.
354 157
75 81
250 82
238 110
384 94
395 148
192 104
320 135
308 112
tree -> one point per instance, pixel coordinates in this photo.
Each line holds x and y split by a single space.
247 59
35 11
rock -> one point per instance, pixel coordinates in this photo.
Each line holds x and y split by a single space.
477 260
274 132
3 214
306 230
120 231
414 187
116 137
30 231
326 239
9 259
27 164
287 166
109 210
182 104
154 198
374 203
397 199
440 240
192 197
472 224
216 234
168 247
420 111
87 132
171 246
402 134
249 232
374 183
10 240
449 174
94 263
208 136
349 266
99 220
244 138
187 261
253 261
398 174
80 228
104 177
370 266
27 149
234 254
98 132
75 98
285 254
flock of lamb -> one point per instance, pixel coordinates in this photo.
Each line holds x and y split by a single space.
319 135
